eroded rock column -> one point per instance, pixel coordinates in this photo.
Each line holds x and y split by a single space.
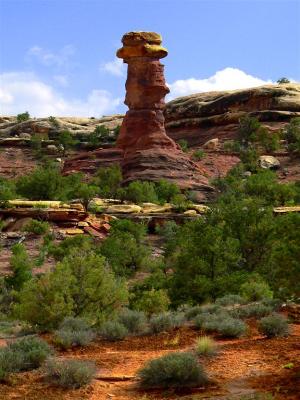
149 154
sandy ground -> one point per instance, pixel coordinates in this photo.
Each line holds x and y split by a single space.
242 367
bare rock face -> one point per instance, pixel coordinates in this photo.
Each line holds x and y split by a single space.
149 154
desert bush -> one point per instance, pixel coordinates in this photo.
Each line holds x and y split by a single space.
10 361
283 80
172 370
166 190
198 154
73 332
108 180
184 145
140 192
23 116
80 285
37 227
29 352
256 310
134 321
230 300
71 374
192 312
292 134
21 267
161 322
178 319
7 190
231 327
153 301
273 325
256 289
113 331
205 346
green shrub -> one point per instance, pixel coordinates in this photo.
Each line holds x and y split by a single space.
7 190
21 267
256 289
71 374
37 227
230 300
134 321
108 181
113 331
184 145
166 190
292 134
31 352
178 319
172 370
140 192
231 327
81 285
198 154
152 301
161 322
283 80
23 116
205 346
73 332
10 362
273 325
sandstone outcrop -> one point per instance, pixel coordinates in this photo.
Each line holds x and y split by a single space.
149 154
200 117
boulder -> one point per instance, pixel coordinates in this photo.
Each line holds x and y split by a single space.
52 149
151 208
211 144
25 135
268 162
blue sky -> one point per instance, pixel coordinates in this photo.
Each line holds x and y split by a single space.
57 57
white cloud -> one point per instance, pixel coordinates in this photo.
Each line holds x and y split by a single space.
49 58
115 67
21 91
226 79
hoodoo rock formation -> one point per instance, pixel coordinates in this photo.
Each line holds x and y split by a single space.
149 154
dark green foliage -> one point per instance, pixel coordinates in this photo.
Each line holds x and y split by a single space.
23 116
70 374
21 267
81 285
140 192
108 181
274 325
248 128
184 145
53 121
153 301
113 331
292 134
7 190
134 321
283 80
161 322
137 230
66 139
173 370
65 247
73 332
47 183
100 135
124 253
166 190
37 227
86 192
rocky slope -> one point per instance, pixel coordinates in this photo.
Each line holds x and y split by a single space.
200 117
196 118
